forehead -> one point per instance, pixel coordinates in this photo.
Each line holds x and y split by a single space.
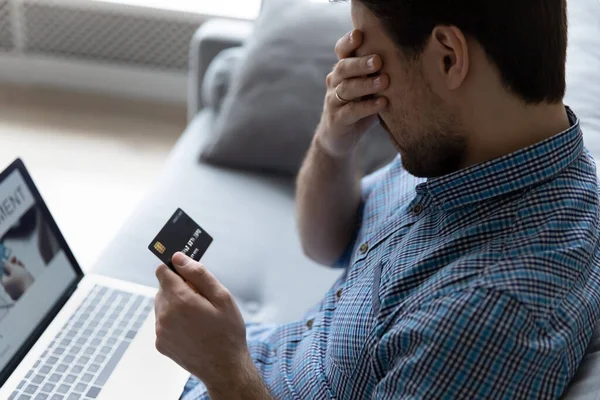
375 40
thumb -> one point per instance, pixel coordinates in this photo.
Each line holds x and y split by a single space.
198 277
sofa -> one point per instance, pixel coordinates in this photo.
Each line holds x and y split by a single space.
256 252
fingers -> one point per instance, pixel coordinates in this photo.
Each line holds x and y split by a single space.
201 279
158 302
353 112
14 260
348 44
169 279
357 88
8 269
353 68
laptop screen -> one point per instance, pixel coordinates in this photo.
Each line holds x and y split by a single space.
35 266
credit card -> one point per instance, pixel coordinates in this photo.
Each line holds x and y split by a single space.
182 234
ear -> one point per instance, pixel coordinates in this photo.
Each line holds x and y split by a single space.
452 54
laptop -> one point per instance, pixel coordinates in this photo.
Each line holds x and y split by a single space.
64 335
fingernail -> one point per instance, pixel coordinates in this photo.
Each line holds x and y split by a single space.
350 37
377 81
371 62
180 259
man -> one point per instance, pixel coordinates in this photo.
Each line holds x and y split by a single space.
472 261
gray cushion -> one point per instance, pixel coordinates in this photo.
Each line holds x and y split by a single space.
276 98
218 77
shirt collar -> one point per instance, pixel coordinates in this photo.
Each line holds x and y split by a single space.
510 173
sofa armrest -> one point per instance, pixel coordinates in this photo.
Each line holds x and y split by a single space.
209 40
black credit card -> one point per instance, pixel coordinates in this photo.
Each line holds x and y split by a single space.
182 234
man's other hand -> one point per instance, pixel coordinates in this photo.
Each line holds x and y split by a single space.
198 324
353 97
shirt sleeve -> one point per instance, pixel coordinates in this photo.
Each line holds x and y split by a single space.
473 344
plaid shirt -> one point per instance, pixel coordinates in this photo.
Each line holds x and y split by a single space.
482 284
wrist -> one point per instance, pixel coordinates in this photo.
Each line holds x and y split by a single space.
321 146
235 382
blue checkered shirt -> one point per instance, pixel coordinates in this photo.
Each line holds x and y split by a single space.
483 284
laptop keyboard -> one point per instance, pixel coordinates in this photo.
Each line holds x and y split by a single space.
80 359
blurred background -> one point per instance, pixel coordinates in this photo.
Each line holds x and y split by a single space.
92 97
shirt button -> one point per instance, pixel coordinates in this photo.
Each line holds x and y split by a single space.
338 294
364 247
418 209
309 323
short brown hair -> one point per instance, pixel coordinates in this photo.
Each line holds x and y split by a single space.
525 39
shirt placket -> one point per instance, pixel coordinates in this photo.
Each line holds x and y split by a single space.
398 222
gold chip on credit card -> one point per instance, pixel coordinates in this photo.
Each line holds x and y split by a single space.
158 246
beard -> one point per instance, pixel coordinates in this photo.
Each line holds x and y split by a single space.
432 153
430 145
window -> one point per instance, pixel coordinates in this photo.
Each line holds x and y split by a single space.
243 9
